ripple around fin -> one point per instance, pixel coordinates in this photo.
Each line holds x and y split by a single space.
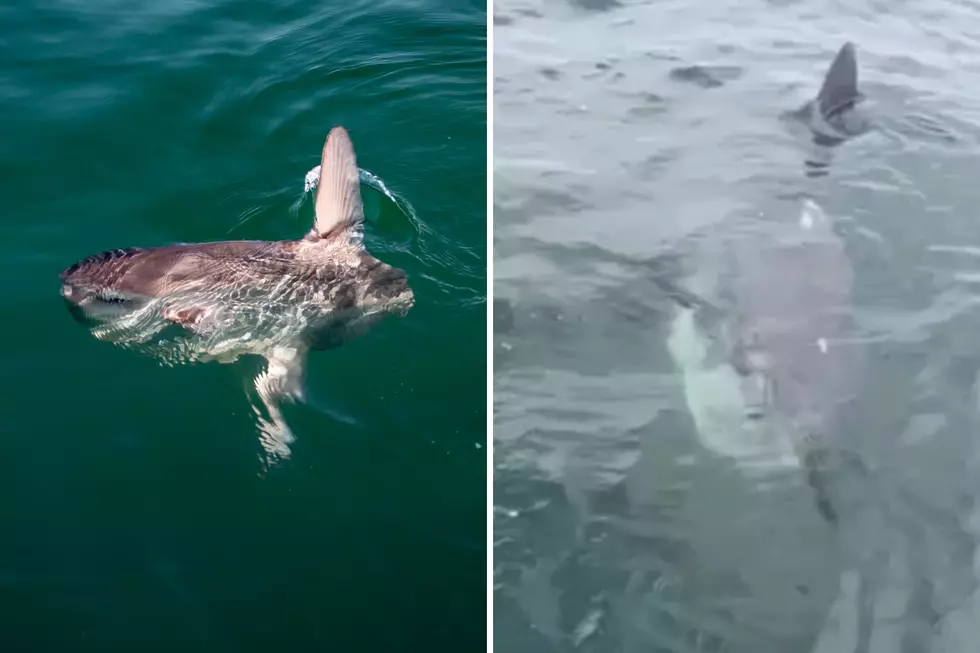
370 180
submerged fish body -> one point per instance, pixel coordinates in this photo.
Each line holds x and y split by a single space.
221 300
767 385
793 297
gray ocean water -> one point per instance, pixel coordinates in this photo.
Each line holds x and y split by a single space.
624 132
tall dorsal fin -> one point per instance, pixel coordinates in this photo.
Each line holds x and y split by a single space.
840 86
338 195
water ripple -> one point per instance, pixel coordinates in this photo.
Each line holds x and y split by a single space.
628 137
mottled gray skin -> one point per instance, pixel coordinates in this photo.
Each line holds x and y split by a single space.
792 293
278 299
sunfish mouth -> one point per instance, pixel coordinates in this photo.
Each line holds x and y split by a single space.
70 294
404 304
390 288
401 301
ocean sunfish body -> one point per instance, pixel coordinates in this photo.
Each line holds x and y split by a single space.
775 361
770 387
222 300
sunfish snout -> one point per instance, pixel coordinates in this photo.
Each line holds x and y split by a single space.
386 285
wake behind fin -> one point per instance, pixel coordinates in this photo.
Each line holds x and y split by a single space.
840 85
339 207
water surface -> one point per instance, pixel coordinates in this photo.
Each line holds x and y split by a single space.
626 131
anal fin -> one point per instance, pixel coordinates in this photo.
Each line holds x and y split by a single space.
283 380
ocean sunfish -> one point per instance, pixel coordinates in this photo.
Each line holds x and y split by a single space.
217 301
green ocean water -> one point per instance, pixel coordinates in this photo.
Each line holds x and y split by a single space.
135 512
